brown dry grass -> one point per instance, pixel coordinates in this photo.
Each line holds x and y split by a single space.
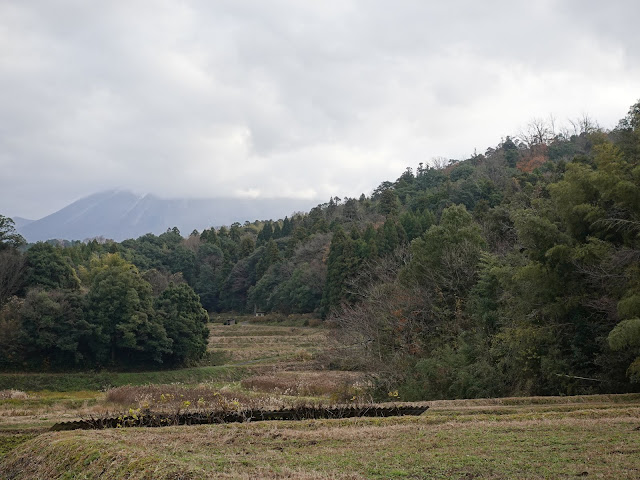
177 397
13 395
266 343
514 401
42 409
282 346
338 386
528 438
462 444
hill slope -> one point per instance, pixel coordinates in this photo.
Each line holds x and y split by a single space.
119 214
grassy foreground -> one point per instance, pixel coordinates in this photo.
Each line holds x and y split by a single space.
513 438
595 438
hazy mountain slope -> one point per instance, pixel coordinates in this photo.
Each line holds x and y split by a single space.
119 214
20 222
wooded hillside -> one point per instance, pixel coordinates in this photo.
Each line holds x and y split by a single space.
516 271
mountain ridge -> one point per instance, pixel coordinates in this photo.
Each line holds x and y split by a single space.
120 214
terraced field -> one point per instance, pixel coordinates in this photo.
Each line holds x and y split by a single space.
273 365
596 437
267 344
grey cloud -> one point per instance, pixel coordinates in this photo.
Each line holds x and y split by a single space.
303 98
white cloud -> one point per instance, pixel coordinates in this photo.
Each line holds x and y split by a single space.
287 98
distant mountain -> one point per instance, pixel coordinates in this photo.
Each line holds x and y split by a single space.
20 222
119 214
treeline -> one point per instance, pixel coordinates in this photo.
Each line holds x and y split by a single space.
102 314
511 272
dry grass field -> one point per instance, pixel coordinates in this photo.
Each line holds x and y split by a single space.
595 438
266 344
510 438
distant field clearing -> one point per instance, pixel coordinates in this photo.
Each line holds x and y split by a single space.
266 344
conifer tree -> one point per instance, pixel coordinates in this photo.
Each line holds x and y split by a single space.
270 256
341 265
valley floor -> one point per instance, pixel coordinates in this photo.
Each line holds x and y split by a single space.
270 365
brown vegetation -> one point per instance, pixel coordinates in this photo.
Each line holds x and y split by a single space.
179 397
13 394
266 343
339 386
596 437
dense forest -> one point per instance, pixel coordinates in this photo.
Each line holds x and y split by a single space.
512 272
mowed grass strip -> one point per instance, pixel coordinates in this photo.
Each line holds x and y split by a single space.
10 440
69 382
582 442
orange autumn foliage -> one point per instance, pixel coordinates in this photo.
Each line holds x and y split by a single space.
535 158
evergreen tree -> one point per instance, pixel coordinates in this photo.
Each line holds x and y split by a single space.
389 204
247 246
9 237
511 154
46 267
209 236
11 335
55 331
270 256
287 227
266 233
235 232
387 237
185 322
447 255
120 306
183 260
341 265
277 231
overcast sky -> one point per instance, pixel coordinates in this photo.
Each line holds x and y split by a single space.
288 98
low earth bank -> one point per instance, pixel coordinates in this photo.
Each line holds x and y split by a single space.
591 436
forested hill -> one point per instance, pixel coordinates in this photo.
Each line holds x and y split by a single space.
514 271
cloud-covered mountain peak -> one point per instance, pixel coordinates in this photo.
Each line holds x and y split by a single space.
119 214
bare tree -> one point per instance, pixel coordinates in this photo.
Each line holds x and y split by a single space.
538 132
160 280
440 163
387 325
192 242
584 125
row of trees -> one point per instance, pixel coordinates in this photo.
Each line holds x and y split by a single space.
104 314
